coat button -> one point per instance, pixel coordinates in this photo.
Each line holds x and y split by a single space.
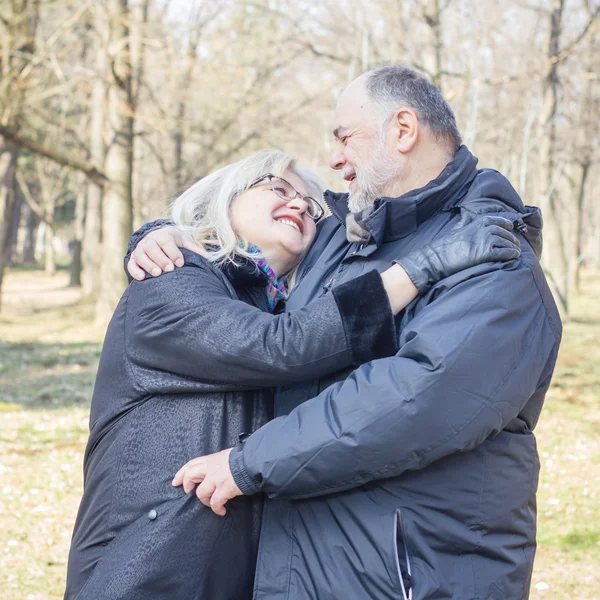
152 515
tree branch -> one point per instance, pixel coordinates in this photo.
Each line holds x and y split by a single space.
33 205
564 54
85 167
310 47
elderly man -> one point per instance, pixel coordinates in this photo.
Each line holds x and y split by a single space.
413 476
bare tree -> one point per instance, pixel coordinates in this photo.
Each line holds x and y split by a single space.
18 45
93 210
52 191
117 213
558 261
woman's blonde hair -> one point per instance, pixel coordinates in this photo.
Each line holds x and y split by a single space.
202 211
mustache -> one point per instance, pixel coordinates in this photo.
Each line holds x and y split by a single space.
347 171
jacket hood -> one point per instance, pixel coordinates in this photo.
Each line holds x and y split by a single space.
491 192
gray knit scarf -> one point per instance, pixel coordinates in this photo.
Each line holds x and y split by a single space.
355 226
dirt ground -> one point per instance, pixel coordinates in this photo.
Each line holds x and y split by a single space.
49 349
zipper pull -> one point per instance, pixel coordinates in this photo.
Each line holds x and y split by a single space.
328 286
520 226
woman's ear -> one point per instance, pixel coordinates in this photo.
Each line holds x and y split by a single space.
407 129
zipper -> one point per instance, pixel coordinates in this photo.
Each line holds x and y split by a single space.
360 247
328 286
405 579
333 212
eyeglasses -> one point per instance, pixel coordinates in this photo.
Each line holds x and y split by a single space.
284 189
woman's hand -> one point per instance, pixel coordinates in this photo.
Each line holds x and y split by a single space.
485 239
212 475
158 251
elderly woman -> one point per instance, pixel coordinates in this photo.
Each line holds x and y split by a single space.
186 368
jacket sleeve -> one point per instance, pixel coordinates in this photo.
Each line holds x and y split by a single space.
469 361
187 323
139 234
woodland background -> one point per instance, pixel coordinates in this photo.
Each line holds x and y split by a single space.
110 108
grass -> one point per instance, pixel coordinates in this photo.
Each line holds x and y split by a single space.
49 349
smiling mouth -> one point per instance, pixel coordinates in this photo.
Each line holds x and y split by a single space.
350 178
291 223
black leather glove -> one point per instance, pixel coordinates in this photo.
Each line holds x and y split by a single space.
485 239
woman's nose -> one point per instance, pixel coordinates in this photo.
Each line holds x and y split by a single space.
299 204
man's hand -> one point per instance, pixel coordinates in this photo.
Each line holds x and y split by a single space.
212 473
484 239
158 251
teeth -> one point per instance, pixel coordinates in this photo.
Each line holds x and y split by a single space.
289 222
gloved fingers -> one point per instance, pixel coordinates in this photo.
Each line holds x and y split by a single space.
507 253
498 232
489 221
502 243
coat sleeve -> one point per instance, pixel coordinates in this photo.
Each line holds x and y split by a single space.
468 363
186 323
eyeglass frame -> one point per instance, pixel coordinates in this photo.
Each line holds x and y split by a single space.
306 199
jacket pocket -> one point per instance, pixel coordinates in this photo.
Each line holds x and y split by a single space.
403 564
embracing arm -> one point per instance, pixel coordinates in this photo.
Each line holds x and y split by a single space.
468 363
187 323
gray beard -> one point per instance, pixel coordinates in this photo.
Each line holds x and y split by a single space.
360 201
371 185
374 181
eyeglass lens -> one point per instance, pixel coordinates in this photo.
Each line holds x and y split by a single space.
286 190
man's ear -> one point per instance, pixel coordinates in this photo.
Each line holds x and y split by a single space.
407 129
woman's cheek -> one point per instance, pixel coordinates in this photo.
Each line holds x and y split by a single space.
310 233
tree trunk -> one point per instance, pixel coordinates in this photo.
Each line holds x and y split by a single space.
32 223
75 244
14 228
594 240
432 15
8 201
578 238
138 12
555 256
49 254
75 267
184 86
92 239
117 210
22 22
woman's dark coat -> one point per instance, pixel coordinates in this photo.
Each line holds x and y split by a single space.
183 373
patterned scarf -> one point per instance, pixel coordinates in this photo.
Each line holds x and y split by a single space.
277 286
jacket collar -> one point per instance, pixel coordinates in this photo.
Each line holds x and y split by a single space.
394 218
244 273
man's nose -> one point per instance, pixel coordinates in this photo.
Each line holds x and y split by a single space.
337 160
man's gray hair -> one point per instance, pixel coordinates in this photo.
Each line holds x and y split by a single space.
393 86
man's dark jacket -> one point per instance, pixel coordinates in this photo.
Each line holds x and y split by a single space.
182 374
414 476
